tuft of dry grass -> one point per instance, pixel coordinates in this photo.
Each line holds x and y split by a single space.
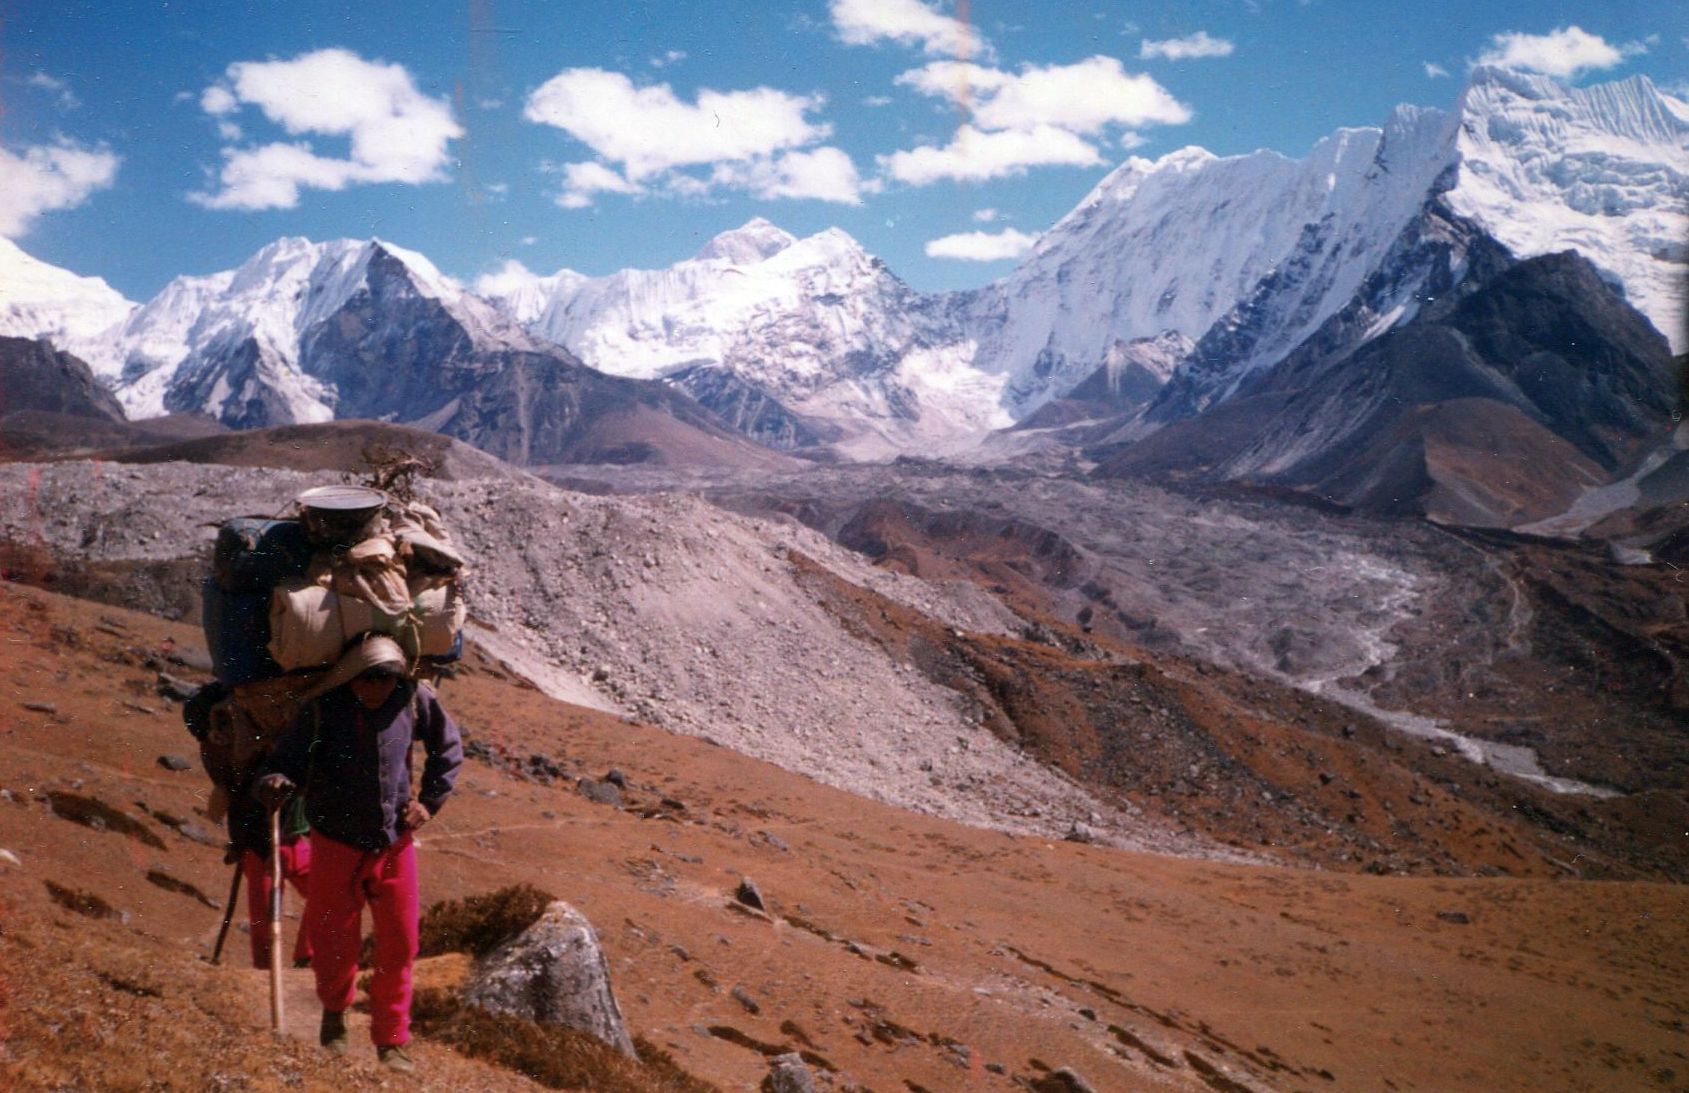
83 903
557 1057
100 816
479 924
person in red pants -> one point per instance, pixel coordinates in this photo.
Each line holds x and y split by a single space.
351 750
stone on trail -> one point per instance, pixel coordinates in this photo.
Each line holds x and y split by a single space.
553 973
1065 1080
749 894
788 1074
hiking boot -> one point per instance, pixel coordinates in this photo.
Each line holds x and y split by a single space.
395 1057
332 1034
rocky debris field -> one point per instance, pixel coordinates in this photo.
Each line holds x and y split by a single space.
664 608
1231 676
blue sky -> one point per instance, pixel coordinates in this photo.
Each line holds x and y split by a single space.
141 141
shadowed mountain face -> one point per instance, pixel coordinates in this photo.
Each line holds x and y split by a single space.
35 376
1500 404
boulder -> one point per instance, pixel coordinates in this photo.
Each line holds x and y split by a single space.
1065 1080
553 973
749 894
788 1074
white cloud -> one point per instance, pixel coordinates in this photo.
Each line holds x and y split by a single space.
975 155
1199 44
877 100
582 180
1032 118
1082 97
47 177
528 240
395 132
673 56
757 141
1567 52
218 100
508 278
824 174
57 87
229 131
985 216
982 246
649 130
908 23
1434 71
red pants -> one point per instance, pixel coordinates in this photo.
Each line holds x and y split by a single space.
343 880
296 868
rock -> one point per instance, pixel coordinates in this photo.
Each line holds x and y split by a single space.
174 689
1459 918
602 793
617 779
10 858
749 894
41 707
1082 833
788 1074
174 762
743 997
1065 1080
198 834
554 973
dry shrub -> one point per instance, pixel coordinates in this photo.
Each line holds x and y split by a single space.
83 903
100 816
479 924
557 1057
181 887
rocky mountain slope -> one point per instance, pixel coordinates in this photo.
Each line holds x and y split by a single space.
1511 394
33 376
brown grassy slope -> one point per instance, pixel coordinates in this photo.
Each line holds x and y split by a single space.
903 951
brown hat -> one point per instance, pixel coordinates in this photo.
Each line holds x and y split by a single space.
371 652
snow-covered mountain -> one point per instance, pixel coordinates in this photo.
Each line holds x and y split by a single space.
816 326
39 300
1222 266
235 344
1251 254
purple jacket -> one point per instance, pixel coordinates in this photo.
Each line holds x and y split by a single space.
355 764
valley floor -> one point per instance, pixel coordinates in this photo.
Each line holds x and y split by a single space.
902 951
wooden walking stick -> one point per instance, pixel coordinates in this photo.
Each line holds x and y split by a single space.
228 915
275 921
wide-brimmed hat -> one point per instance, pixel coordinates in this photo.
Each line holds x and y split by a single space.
369 653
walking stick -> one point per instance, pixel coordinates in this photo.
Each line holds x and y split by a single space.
275 921
228 915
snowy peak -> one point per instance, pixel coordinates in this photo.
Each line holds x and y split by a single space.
40 300
1602 170
756 240
262 313
1635 108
